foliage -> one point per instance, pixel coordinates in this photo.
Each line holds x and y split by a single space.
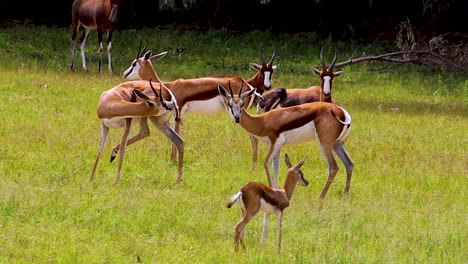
408 143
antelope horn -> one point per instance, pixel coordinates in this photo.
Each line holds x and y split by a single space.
230 89
272 57
138 53
322 61
144 48
152 88
260 52
240 90
333 61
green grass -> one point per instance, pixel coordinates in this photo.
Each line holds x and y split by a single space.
408 191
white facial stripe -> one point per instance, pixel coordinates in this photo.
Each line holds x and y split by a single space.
132 73
326 85
266 81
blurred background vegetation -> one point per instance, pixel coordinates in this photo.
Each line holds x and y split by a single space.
344 20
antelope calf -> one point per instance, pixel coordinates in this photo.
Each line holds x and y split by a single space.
327 122
255 197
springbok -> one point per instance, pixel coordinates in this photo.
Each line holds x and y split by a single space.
99 15
282 97
199 95
327 122
255 197
128 102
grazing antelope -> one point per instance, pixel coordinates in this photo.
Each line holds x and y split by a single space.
255 197
128 103
99 15
326 122
199 95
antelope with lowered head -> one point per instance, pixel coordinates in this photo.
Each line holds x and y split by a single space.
99 15
327 122
255 197
130 102
199 95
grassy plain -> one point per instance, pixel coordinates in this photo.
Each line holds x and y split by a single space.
408 194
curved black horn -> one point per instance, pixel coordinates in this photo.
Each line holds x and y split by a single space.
322 61
333 61
272 57
230 89
260 52
144 48
240 90
138 53
152 88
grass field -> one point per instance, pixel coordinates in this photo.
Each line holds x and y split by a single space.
408 193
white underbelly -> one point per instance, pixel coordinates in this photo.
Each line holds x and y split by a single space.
299 135
118 122
204 107
267 208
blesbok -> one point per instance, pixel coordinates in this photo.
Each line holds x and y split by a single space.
199 95
129 102
255 197
99 15
282 97
327 122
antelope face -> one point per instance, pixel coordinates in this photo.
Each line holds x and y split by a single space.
267 69
131 73
234 103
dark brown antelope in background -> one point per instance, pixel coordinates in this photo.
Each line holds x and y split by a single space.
99 15
282 97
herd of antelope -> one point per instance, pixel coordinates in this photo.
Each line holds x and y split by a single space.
285 116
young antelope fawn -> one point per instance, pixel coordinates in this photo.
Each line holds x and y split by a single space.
255 197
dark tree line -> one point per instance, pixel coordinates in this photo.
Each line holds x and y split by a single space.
360 20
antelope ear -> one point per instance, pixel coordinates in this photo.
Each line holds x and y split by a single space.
222 91
315 71
158 56
141 95
255 66
338 73
147 55
274 67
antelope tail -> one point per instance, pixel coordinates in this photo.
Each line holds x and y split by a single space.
346 124
234 199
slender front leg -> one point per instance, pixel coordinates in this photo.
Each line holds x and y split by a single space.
123 147
109 51
99 33
144 132
105 132
276 159
174 147
84 38
254 141
166 129
266 221
280 229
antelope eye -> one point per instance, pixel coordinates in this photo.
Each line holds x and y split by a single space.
134 63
